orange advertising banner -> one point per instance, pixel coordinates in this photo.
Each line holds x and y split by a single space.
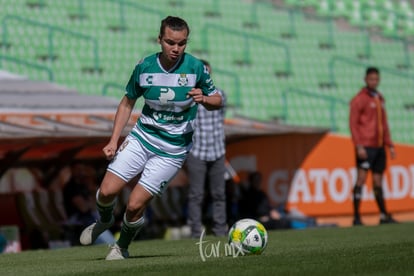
315 173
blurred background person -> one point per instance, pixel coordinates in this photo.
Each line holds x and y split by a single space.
206 164
80 202
254 203
370 134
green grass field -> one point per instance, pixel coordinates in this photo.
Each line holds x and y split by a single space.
379 250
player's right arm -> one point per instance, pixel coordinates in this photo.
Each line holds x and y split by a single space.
122 115
133 91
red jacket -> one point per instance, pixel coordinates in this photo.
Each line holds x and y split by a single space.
368 120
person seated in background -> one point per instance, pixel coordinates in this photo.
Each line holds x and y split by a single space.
254 203
169 212
16 180
3 243
79 195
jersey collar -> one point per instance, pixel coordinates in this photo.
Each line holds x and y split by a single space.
172 68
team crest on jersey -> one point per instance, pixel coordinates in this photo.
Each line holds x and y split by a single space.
182 80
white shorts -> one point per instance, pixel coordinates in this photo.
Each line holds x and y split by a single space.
133 158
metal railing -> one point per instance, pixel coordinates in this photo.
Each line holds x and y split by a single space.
26 63
254 17
135 5
109 85
337 59
365 8
51 29
332 101
236 85
247 37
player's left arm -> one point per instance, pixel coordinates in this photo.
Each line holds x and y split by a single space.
387 134
205 92
210 102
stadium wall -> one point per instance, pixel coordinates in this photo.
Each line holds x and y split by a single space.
315 174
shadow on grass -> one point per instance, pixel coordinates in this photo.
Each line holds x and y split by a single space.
150 256
142 256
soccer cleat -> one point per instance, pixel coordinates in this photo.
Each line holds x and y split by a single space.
92 232
357 222
117 253
388 219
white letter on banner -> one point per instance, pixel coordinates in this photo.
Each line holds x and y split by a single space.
344 183
400 182
318 177
300 185
412 181
278 186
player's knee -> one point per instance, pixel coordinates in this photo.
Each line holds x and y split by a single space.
105 193
377 181
135 208
133 214
361 178
360 181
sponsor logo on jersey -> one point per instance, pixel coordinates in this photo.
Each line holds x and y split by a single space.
149 79
158 116
166 94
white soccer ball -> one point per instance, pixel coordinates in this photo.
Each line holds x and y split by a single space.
249 236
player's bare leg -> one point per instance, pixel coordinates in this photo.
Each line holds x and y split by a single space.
379 197
105 202
357 194
132 223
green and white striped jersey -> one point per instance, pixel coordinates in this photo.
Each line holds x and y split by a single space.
167 121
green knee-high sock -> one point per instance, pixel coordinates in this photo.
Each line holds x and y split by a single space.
357 200
379 197
128 231
105 210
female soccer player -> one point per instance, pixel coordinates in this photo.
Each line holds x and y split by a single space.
172 83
